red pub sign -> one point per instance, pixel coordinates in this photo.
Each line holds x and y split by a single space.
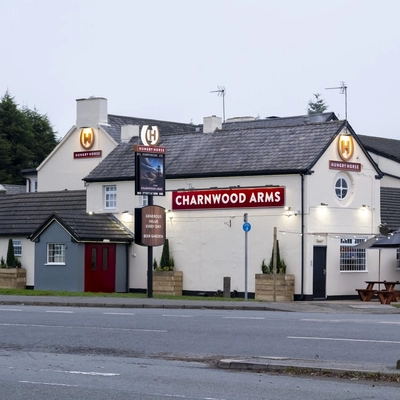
228 198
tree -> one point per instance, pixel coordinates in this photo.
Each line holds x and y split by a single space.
318 106
26 138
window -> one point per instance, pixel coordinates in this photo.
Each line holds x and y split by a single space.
110 197
17 244
352 259
55 253
341 188
398 258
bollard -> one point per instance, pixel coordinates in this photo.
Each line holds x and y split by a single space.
398 364
227 286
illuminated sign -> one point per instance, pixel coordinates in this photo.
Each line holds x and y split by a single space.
87 154
228 198
149 174
345 147
150 136
345 166
87 138
150 226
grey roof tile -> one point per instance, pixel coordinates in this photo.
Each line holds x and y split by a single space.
229 152
389 148
22 214
113 128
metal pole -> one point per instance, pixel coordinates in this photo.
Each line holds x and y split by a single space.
274 262
150 261
245 218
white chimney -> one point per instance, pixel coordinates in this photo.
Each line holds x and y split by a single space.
128 132
91 112
210 124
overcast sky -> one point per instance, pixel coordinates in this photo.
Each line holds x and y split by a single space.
160 59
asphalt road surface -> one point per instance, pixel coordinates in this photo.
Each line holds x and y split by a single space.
91 353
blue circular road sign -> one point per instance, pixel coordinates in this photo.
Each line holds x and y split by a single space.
246 227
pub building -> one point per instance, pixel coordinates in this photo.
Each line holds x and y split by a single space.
310 177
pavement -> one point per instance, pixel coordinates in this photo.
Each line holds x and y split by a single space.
285 364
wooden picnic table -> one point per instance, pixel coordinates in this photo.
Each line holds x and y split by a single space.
385 296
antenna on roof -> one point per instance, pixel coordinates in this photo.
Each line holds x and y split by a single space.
343 90
221 92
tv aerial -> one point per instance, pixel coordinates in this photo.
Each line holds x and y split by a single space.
221 92
343 90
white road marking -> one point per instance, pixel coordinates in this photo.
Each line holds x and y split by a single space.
83 372
243 318
86 327
118 313
179 316
10 309
60 312
389 322
47 383
343 339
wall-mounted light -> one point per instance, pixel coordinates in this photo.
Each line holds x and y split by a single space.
167 211
324 204
125 212
90 212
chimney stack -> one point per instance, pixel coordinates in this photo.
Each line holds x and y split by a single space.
210 124
91 112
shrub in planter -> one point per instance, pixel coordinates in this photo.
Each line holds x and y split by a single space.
10 255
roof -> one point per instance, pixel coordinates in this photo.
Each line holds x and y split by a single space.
389 148
115 122
5 188
23 214
278 121
390 207
232 151
97 227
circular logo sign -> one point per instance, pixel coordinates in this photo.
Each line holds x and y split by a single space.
87 138
150 135
345 147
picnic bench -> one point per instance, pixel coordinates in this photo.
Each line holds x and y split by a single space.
385 296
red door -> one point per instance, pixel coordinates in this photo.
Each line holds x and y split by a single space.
100 268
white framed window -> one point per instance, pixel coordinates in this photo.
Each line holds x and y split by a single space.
55 253
341 188
145 200
110 197
397 258
352 259
17 244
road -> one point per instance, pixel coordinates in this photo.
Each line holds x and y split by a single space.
96 353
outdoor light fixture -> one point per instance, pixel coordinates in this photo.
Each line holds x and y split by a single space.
324 204
125 212
90 212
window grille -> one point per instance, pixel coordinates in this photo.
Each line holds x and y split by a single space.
110 197
17 244
55 253
352 259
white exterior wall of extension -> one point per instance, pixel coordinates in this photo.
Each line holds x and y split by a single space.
60 170
208 245
389 167
27 258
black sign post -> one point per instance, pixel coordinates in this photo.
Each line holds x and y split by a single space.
150 181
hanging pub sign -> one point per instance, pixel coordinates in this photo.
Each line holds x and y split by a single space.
150 226
228 198
150 164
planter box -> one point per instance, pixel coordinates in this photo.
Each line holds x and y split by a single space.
168 282
12 278
265 287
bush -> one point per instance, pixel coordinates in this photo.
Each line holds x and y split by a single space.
280 263
166 262
10 255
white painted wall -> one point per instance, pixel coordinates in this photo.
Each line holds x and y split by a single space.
61 171
27 259
208 245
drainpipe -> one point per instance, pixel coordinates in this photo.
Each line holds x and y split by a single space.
302 236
